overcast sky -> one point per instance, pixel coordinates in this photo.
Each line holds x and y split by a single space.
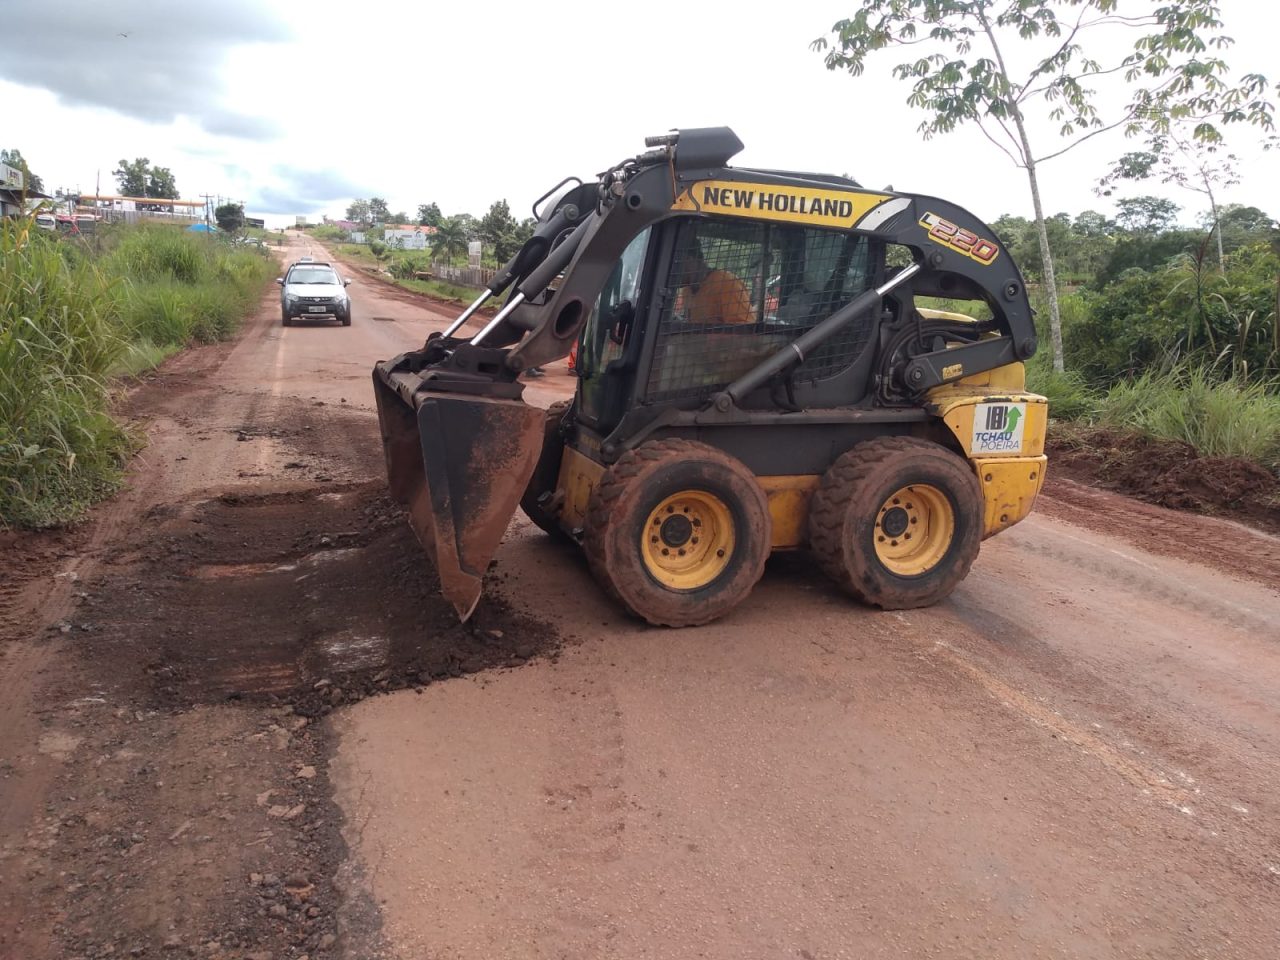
297 106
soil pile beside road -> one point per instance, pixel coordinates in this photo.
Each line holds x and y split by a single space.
1168 474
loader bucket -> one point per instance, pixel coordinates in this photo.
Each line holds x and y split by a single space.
459 462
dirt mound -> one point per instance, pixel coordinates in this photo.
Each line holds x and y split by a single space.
303 597
1168 474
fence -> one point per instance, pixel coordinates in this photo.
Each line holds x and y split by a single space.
112 215
466 276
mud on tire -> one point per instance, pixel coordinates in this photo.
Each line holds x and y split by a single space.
858 492
662 499
546 475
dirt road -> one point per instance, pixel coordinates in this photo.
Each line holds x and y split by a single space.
1075 756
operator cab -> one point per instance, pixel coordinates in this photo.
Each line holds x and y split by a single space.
732 293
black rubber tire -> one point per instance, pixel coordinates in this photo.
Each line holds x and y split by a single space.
844 508
620 506
546 475
285 319
346 319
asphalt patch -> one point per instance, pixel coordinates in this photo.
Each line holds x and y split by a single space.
310 598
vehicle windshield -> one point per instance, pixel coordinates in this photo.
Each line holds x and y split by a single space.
605 335
312 275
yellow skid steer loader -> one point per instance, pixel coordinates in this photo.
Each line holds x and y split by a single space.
754 374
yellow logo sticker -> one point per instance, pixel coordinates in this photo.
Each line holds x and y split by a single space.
964 241
769 201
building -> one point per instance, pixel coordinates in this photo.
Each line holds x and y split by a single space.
14 200
114 209
411 237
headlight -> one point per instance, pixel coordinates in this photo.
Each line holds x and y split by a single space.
290 296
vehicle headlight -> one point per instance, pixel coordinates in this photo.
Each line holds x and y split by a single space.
290 296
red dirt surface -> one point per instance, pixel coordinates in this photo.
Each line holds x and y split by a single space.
1169 474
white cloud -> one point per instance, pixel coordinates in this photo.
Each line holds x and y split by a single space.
464 104
151 61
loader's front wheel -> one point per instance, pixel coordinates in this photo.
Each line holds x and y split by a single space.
678 532
546 475
897 522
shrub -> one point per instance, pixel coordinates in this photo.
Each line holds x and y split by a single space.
58 342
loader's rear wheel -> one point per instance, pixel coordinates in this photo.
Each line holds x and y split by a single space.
678 532
897 522
546 475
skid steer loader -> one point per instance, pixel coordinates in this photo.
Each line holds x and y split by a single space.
754 374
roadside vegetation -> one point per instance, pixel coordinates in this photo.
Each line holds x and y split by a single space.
1160 336
75 315
404 266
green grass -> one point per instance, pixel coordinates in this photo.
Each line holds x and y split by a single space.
75 316
442 290
59 340
418 260
1193 405
1220 418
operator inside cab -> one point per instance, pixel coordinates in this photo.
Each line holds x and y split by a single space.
712 296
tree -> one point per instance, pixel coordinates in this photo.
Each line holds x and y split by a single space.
470 226
358 212
429 215
498 229
1185 162
230 217
141 179
959 75
1092 225
400 219
378 210
31 182
1246 219
161 184
450 239
1147 215
132 177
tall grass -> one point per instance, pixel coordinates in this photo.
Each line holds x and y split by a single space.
1220 418
71 319
180 288
59 341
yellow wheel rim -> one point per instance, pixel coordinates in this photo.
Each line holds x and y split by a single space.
687 540
914 530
